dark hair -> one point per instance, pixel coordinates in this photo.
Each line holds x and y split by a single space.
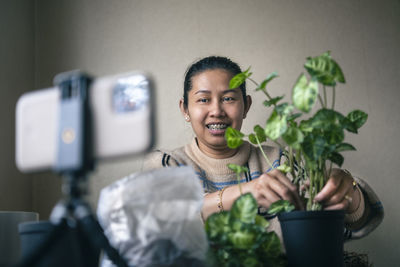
211 63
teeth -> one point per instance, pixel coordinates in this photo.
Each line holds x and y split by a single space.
217 126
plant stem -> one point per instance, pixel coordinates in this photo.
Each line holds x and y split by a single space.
325 100
291 162
333 96
263 90
310 190
320 100
262 152
253 81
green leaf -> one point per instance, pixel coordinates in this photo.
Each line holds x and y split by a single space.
239 78
261 221
284 109
245 208
242 239
237 168
348 125
280 206
284 168
253 139
273 101
233 137
327 123
323 119
276 126
358 117
339 76
336 158
259 132
334 134
272 246
313 146
344 147
306 126
250 262
293 137
304 93
294 116
217 225
269 78
324 69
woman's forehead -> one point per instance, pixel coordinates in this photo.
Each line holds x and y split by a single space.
211 78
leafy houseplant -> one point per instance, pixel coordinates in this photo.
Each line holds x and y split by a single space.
311 143
311 146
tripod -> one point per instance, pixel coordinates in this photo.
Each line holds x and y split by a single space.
74 160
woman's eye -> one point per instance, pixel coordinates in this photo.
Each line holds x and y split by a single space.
228 98
203 100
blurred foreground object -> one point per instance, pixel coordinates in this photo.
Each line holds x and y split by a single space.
153 218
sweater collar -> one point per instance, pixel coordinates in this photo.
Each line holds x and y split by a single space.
217 166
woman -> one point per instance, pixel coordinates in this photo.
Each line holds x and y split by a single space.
210 106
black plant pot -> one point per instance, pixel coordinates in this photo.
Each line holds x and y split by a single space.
313 238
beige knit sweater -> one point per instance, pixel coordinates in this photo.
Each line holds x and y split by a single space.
215 175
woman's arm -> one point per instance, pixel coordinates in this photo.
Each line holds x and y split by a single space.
266 189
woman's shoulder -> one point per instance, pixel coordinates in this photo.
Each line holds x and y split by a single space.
164 158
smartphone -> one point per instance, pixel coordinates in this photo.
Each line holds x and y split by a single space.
123 121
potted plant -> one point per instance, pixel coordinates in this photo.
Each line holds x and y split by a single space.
312 141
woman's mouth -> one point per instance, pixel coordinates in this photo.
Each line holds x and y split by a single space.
217 128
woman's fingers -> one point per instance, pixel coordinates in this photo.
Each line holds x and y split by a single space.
330 188
337 193
294 191
342 205
277 186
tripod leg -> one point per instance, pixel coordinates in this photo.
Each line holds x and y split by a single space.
94 233
39 252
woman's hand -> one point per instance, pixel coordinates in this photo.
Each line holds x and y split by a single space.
339 192
271 187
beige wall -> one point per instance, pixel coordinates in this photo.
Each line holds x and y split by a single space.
163 37
16 76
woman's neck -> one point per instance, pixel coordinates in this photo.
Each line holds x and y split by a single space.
217 152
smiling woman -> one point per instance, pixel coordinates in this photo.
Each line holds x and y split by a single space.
211 107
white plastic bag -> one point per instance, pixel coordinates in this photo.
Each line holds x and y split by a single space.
153 218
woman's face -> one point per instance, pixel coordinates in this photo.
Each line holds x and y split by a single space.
213 107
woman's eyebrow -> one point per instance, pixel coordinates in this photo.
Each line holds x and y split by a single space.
209 92
231 91
202 92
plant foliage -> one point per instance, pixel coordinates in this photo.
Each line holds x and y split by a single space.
312 145
239 237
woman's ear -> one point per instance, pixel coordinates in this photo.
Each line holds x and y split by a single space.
247 107
184 110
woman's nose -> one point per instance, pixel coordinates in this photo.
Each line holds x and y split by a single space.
217 109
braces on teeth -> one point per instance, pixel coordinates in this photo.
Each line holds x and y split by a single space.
217 126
